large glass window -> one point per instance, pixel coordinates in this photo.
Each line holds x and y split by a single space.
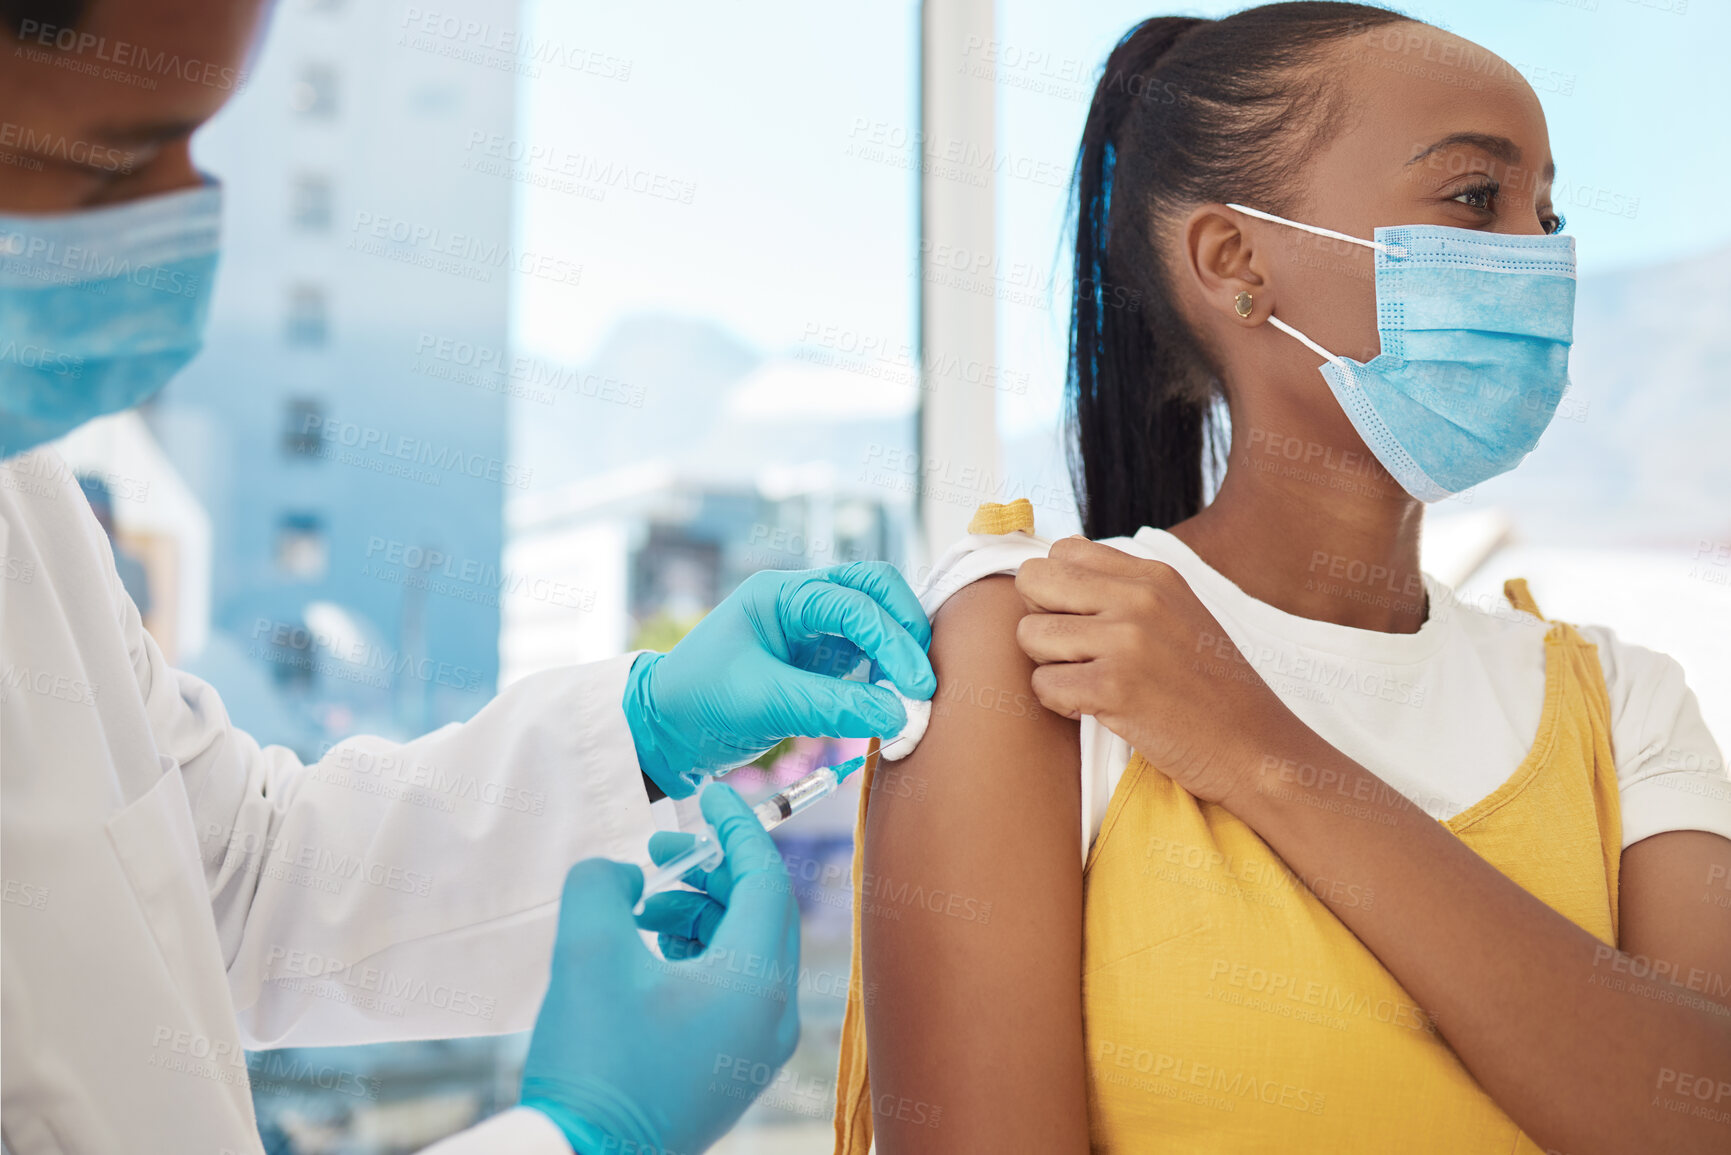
308 319
606 320
310 201
314 95
301 550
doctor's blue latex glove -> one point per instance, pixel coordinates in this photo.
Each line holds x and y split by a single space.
684 921
767 664
635 1053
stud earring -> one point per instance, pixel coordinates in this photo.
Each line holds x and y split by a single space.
1241 303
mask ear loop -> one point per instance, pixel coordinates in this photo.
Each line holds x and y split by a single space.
1379 246
1314 347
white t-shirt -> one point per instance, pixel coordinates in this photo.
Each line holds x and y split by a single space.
1444 715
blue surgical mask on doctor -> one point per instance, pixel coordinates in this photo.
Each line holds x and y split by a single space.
1475 331
99 308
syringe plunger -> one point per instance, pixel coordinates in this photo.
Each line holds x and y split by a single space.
706 854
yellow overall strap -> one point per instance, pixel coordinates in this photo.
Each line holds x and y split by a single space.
853 1107
1515 589
1016 517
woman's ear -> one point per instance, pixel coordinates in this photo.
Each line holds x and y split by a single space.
1225 269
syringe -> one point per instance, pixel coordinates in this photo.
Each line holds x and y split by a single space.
706 854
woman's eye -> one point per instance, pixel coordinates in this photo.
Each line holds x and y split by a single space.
1554 224
1480 197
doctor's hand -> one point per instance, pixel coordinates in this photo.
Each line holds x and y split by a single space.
1126 640
767 664
635 1053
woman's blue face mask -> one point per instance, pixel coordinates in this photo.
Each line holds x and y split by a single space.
1475 331
98 309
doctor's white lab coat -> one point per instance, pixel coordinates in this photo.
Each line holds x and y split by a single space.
174 893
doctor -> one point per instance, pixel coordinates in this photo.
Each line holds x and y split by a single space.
174 893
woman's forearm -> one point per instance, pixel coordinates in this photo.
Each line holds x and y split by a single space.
1527 999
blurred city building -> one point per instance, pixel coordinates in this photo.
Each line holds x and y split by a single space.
328 497
341 428
634 557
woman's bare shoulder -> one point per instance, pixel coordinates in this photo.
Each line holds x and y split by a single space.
990 745
989 694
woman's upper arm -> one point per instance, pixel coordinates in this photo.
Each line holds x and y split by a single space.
1675 909
971 917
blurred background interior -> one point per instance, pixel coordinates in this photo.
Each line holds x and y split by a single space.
542 324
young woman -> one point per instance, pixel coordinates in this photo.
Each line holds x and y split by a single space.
1361 867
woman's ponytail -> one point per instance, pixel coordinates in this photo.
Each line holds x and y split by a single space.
1141 447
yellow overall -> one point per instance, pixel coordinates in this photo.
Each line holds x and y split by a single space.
1226 1009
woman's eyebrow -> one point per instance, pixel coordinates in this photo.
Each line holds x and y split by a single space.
1500 147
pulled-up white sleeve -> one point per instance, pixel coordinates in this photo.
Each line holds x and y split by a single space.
1670 772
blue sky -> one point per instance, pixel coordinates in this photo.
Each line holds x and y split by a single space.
755 104
785 117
